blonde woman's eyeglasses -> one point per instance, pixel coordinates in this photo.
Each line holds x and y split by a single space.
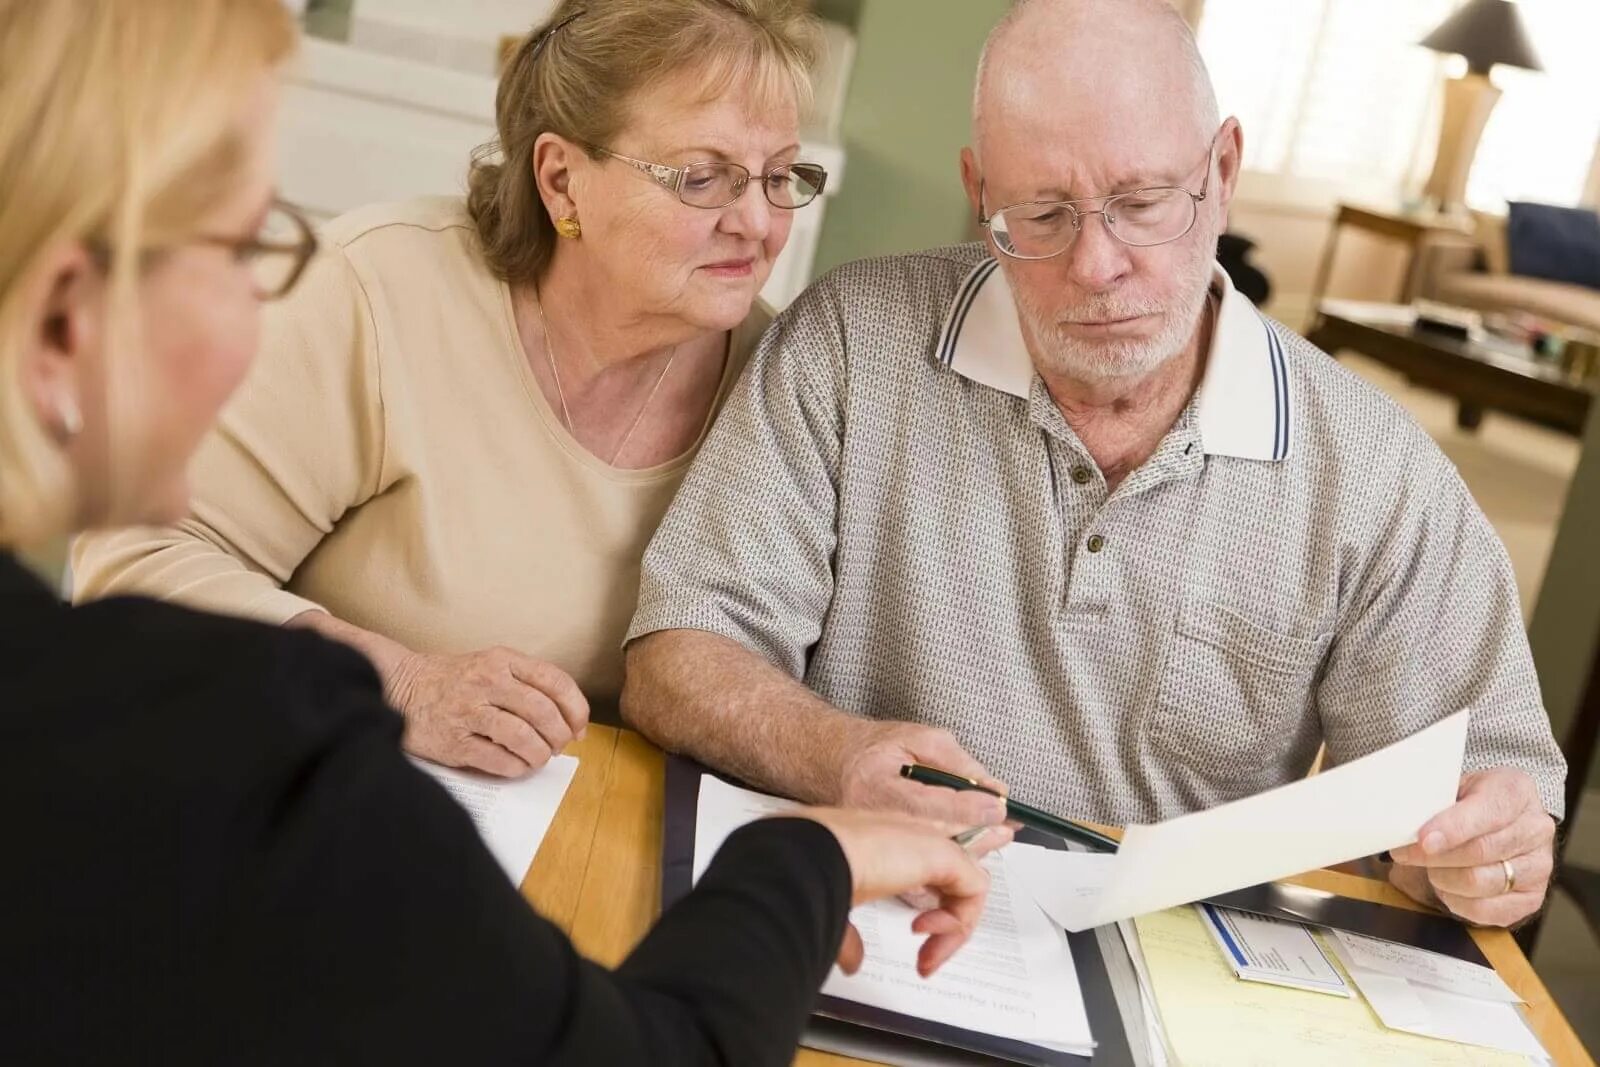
277 251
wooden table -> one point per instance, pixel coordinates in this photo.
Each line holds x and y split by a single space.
1477 375
598 877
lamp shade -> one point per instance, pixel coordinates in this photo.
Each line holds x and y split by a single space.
1486 32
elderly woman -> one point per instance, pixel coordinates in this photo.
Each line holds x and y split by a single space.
470 417
227 859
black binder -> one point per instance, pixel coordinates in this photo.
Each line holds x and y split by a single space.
835 1013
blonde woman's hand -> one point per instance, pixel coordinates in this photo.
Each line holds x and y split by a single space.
496 710
891 854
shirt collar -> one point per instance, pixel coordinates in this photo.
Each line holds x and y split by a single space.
1244 407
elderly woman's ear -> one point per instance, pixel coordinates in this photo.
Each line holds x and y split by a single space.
554 162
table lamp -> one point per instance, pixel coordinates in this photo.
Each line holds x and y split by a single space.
1485 32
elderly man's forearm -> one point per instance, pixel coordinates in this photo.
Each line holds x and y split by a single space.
709 697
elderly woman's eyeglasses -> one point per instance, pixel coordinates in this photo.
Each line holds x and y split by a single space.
716 185
1141 218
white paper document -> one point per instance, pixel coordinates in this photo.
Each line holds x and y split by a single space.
1416 1007
1015 978
1358 809
1260 948
1445 973
512 814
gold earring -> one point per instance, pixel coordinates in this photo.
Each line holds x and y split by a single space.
569 227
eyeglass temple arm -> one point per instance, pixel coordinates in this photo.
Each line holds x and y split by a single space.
671 177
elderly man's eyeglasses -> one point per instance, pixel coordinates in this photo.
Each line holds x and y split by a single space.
716 185
1141 218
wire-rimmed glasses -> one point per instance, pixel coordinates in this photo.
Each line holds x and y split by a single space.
1141 218
712 185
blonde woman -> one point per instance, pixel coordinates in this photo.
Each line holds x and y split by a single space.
225 857
471 417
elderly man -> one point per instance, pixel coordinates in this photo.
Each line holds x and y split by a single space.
1063 508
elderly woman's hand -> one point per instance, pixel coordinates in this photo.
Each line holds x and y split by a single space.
496 710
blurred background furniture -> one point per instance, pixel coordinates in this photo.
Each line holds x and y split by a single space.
1233 252
1475 271
1482 372
1485 33
1411 229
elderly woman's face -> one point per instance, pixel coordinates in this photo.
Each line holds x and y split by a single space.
700 265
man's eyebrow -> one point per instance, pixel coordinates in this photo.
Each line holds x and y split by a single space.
1132 182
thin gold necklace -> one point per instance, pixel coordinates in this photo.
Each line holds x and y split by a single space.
566 413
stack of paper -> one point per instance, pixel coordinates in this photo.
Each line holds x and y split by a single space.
512 815
1209 1017
1189 960
1014 979
1425 993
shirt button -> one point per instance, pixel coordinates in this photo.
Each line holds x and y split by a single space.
1081 475
1096 543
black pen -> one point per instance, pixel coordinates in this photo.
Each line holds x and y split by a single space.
1026 814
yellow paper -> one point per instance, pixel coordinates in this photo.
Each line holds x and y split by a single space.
1214 1019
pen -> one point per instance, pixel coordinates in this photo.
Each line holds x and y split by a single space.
1026 814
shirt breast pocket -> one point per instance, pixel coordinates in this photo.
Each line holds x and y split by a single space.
1232 694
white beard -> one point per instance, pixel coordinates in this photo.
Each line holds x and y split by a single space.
1108 360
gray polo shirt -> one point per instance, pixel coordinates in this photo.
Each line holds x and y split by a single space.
891 508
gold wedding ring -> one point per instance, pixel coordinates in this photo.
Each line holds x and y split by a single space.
1511 876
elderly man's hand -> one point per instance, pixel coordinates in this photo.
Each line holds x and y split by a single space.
1461 855
870 775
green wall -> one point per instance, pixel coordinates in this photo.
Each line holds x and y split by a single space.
906 118
1565 628
845 12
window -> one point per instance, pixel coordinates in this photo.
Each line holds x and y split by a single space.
1540 143
1337 94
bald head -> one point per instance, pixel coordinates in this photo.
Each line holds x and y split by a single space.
1118 60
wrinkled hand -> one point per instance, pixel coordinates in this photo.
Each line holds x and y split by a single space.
870 775
1457 859
890 853
496 710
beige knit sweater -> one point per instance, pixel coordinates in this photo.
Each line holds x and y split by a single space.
392 460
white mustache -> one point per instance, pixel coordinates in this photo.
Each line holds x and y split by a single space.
1104 313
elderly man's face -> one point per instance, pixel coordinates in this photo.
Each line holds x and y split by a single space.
1104 310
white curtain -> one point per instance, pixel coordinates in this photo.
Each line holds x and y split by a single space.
1337 94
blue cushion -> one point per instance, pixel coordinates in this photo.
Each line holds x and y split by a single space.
1561 244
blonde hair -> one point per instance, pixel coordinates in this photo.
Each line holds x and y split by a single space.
577 75
119 129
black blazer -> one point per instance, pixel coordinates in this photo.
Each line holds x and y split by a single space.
215 853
